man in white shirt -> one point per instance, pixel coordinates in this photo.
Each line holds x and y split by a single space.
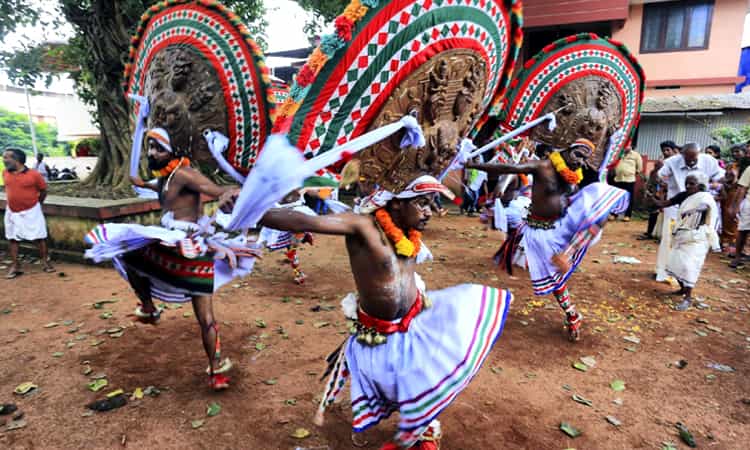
674 172
41 166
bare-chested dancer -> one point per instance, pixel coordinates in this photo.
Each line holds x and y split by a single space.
563 221
410 351
183 270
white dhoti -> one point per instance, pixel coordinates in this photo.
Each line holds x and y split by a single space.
420 367
665 245
28 225
689 250
744 216
695 234
657 227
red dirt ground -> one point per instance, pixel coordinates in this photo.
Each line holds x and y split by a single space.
516 402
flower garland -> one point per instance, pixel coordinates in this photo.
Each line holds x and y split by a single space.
406 247
570 176
171 167
329 45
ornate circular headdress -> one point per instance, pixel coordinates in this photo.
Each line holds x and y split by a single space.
199 68
597 83
444 61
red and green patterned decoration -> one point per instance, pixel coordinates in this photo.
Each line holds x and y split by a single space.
376 45
280 91
216 34
566 60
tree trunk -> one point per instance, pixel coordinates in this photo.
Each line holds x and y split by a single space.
105 28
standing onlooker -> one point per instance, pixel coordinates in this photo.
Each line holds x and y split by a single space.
24 221
655 190
730 198
743 226
41 166
627 171
476 180
739 158
669 149
715 151
674 172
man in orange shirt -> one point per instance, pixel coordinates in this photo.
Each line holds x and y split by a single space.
25 191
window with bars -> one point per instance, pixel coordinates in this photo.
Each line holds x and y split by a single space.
676 26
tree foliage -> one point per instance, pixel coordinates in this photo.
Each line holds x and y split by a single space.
324 11
15 13
728 136
14 132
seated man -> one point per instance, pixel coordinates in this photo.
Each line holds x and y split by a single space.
410 351
563 221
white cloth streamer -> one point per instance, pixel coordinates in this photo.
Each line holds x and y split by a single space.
281 168
613 140
140 128
217 143
508 136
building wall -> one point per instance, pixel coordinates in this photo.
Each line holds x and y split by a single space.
681 129
56 105
544 13
711 71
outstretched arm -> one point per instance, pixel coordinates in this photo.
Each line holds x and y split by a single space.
500 169
197 182
676 200
138 181
338 224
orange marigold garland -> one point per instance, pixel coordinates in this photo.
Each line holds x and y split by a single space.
406 247
171 167
570 176
330 44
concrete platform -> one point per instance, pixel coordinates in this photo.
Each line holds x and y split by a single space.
70 218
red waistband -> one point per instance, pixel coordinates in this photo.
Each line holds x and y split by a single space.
543 219
390 327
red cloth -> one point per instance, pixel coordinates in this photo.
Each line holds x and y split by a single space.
22 189
388 327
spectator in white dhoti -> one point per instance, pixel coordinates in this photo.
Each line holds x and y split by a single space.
674 172
693 235
25 191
